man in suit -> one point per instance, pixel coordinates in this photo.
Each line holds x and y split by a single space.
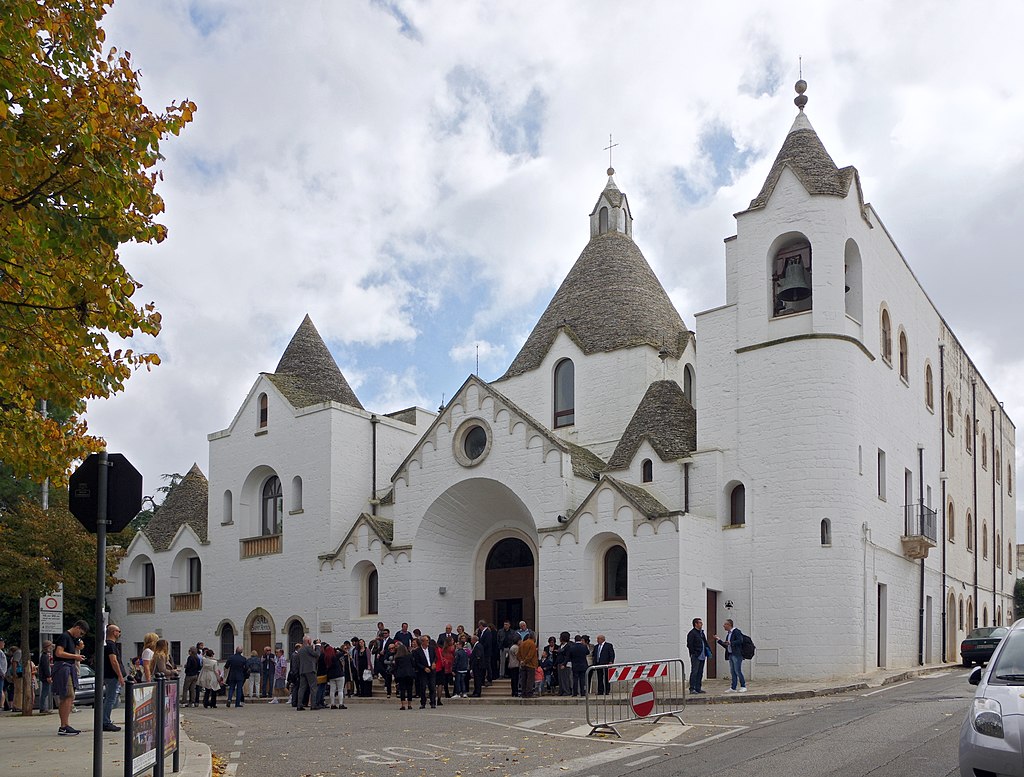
446 634
733 644
490 642
423 659
477 665
604 653
504 643
578 655
699 649
308 655
563 665
381 649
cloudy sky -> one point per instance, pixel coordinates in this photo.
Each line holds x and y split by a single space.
417 175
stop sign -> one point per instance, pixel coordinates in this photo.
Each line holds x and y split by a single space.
124 492
641 698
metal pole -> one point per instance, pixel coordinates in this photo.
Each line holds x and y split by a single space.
100 639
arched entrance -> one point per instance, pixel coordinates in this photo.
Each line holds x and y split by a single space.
296 632
952 645
508 584
260 630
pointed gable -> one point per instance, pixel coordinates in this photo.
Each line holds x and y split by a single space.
610 299
185 505
665 419
307 373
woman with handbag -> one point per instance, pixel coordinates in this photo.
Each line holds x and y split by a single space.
363 672
208 680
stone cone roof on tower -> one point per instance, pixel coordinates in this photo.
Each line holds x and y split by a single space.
610 299
666 419
186 503
611 193
805 154
307 373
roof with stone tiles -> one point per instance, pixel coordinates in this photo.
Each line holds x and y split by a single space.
186 504
666 419
307 373
805 154
610 299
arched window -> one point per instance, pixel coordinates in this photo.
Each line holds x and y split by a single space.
997 462
296 493
998 550
969 526
1009 479
646 471
904 357
261 417
791 278
984 611
737 506
272 507
949 412
195 575
225 517
565 394
689 381
1009 558
968 432
984 451
227 641
826 531
929 387
602 221
950 523
886 336
961 613
616 579
984 539
148 580
854 284
296 632
372 592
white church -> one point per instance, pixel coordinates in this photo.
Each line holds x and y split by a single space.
828 468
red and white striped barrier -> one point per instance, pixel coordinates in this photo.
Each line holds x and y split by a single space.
637 671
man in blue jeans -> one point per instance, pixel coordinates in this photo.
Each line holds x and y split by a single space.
235 667
733 644
113 675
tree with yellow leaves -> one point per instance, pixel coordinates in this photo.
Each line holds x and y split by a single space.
79 155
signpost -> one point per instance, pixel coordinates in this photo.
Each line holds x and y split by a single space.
642 698
51 612
105 492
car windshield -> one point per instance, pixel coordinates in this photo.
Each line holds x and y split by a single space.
987 633
84 670
1008 667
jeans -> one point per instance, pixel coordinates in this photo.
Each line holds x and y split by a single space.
111 690
336 691
236 690
696 672
736 670
266 683
45 696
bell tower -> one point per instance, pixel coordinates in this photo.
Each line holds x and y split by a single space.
611 213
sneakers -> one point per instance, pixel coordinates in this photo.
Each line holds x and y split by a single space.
743 689
111 727
67 731
731 690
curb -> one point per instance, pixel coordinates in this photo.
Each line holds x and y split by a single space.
198 758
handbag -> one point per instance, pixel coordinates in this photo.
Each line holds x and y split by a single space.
367 675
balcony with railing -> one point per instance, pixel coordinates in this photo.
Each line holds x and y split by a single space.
140 604
187 601
267 545
919 531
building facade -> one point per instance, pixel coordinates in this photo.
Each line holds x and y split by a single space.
830 470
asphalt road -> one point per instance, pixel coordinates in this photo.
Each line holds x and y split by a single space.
905 730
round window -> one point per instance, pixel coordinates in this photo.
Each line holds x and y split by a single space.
475 443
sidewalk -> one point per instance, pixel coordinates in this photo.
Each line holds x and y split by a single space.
30 747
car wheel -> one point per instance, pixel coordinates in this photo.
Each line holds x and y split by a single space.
968 663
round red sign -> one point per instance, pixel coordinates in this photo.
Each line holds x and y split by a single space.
641 699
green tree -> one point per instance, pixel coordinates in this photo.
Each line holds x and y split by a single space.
79 155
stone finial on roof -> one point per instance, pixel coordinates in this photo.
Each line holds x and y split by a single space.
307 373
186 504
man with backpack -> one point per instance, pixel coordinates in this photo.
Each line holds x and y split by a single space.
737 645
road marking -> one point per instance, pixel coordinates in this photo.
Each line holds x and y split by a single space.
235 755
587 762
238 742
240 734
888 688
733 730
231 770
533 722
579 731
639 761
660 734
764 722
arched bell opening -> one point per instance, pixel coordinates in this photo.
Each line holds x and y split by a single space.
790 275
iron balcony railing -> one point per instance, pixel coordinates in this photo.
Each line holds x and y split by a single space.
919 521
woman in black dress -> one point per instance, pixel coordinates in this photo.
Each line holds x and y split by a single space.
405 673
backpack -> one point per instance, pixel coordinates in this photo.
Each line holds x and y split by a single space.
747 647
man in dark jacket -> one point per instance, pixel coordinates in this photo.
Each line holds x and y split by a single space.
477 665
578 655
604 653
733 644
424 659
307 656
235 666
489 639
268 664
699 649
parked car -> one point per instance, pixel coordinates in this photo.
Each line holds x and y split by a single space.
978 646
86 692
992 734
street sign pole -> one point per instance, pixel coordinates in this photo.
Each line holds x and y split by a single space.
100 639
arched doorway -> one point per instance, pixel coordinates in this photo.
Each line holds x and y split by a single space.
260 630
296 632
952 644
508 584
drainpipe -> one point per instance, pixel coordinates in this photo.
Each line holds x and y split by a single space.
686 487
995 555
942 492
920 508
374 420
974 489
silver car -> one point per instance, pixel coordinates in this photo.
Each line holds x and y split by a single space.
992 735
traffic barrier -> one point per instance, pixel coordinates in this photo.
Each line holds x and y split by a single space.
623 693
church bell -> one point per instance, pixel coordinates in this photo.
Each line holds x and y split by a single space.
794 285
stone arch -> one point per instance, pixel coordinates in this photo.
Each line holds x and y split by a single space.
951 629
250 500
294 626
790 248
854 281
258 631
137 573
595 556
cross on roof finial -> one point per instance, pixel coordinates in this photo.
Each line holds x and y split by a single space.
608 148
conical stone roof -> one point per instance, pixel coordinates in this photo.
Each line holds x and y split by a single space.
186 503
610 299
805 154
307 373
666 419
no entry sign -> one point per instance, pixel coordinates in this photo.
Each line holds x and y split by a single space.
641 699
